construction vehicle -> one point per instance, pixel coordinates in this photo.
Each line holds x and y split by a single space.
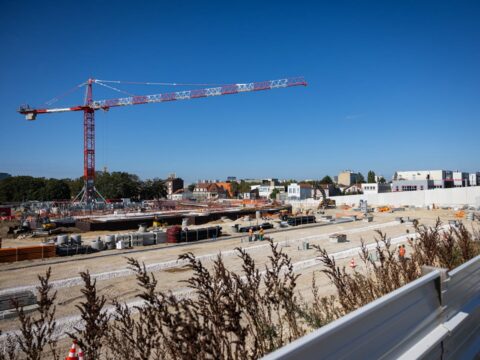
47 224
156 222
326 203
23 228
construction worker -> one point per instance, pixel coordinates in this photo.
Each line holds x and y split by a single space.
401 252
261 234
250 235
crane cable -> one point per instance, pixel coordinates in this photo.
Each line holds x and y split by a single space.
99 82
103 83
157 83
56 98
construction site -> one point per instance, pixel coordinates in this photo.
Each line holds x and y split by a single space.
91 234
338 230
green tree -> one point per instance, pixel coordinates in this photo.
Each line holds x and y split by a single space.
382 180
360 178
234 187
75 185
116 185
153 189
273 194
371 177
191 187
244 187
57 190
326 180
22 188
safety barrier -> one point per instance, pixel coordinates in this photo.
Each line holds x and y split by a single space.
435 317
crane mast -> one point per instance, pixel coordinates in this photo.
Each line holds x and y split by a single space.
89 194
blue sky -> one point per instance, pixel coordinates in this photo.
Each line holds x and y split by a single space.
392 85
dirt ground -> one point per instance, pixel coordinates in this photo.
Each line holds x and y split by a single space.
123 285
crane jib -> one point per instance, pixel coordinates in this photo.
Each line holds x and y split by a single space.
198 93
172 96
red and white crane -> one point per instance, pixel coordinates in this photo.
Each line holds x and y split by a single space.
89 193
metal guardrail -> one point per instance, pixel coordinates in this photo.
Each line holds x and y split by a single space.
434 317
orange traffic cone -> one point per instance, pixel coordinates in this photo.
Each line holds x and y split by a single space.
80 354
72 353
352 263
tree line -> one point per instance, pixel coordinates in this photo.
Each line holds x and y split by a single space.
114 185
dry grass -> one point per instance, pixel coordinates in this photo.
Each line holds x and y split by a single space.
237 315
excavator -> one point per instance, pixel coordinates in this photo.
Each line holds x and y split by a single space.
47 224
326 203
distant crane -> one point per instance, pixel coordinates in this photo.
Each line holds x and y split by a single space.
89 194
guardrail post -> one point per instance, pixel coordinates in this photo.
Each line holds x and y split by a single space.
440 283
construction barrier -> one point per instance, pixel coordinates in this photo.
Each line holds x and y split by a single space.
434 317
27 253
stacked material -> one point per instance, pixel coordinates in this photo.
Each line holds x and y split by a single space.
27 253
200 234
338 238
264 226
300 220
173 234
136 239
70 250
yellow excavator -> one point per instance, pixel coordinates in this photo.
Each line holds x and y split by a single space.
47 224
326 203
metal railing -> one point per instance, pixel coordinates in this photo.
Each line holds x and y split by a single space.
434 317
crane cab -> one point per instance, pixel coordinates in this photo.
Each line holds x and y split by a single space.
28 112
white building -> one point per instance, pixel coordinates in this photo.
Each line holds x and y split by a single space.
209 191
474 179
266 190
299 191
376 188
181 194
460 178
354 189
441 178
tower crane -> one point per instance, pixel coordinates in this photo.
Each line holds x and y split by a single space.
89 194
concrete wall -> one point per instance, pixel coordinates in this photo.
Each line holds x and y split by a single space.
441 197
